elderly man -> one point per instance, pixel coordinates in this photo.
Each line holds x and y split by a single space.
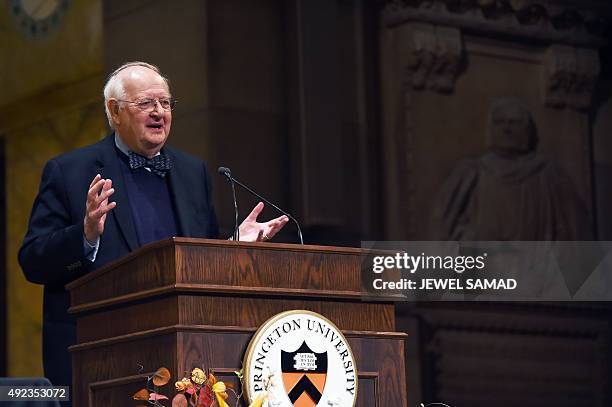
100 202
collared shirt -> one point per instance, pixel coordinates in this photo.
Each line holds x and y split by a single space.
121 145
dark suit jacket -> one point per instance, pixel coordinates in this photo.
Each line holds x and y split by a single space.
53 254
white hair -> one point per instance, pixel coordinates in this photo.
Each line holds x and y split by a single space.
114 86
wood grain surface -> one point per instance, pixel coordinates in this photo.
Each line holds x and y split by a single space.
185 303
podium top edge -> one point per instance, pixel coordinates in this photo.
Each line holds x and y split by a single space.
189 241
215 243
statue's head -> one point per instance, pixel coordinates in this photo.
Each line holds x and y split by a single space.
512 130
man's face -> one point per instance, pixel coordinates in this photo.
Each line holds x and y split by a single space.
144 132
510 130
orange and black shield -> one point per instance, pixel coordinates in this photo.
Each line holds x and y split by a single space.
304 374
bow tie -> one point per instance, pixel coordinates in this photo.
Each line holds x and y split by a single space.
159 164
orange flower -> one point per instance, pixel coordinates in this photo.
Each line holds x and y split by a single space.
182 385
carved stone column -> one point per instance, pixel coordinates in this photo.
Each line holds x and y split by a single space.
434 56
569 76
443 63
449 59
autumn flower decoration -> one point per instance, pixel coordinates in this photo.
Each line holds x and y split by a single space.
200 390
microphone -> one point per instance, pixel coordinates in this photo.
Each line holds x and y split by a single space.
228 174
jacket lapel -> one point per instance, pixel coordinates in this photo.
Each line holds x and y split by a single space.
122 214
181 195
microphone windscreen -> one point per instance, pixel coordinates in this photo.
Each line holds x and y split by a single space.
224 171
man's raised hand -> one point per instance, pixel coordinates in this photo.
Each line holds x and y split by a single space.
253 231
97 207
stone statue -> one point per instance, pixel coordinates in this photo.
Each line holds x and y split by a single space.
510 192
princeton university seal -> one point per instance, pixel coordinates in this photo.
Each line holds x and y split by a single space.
300 359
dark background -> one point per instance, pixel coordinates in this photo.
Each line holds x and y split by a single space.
352 114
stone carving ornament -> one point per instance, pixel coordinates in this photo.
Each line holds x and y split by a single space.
546 21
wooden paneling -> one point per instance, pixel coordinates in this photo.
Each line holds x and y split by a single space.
185 303
322 271
226 311
532 354
111 367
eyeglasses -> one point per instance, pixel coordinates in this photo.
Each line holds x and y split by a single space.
148 105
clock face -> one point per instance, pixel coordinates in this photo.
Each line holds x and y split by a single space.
38 18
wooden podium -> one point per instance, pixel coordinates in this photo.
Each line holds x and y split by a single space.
184 303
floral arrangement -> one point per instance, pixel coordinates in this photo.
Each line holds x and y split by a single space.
199 390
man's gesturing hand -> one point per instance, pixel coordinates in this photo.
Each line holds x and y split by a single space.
253 231
97 207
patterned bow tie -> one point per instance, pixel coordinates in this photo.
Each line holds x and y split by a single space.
159 164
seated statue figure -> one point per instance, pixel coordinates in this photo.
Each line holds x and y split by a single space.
510 192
